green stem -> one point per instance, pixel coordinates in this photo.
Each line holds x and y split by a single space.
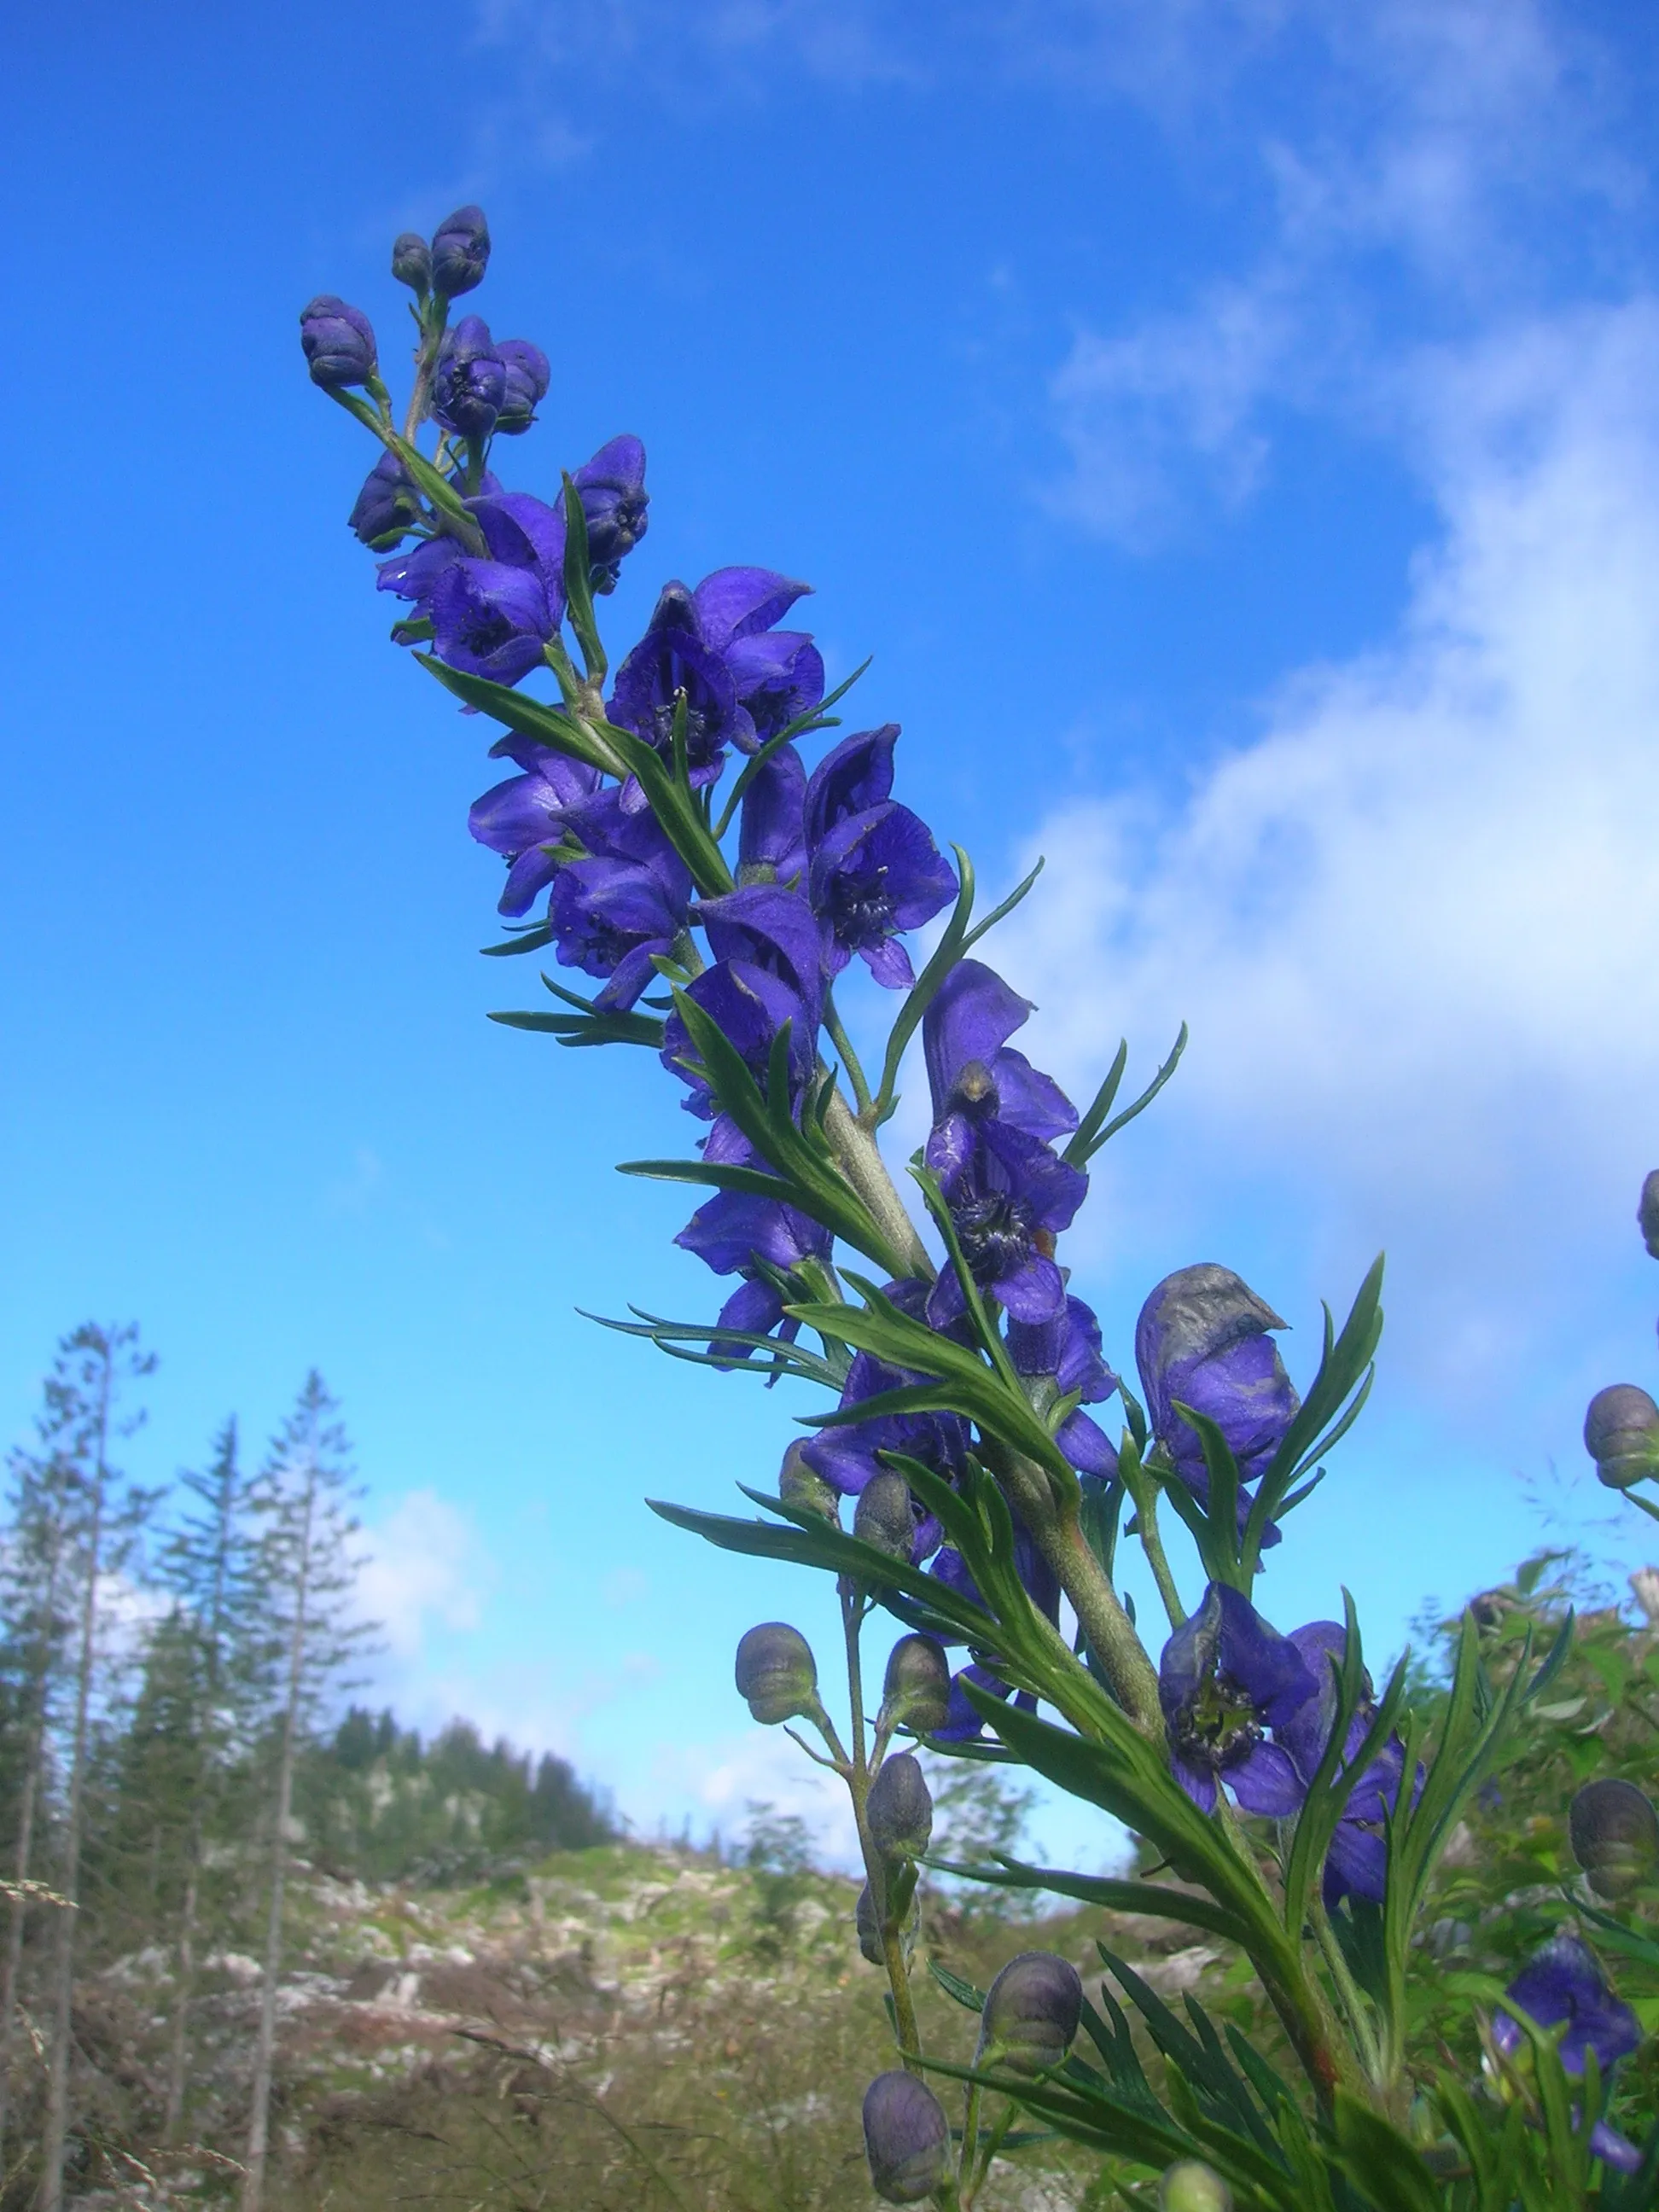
1355 2007
1152 1544
849 1058
859 1158
898 1978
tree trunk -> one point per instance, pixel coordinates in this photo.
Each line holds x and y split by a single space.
19 1915
258 2128
55 2132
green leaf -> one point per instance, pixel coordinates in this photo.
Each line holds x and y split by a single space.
592 1028
1186 1907
524 940
579 584
966 1994
1090 1135
1381 2162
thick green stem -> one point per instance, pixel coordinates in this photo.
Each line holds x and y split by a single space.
859 1158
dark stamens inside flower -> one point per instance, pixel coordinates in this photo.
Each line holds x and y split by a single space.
1218 1722
996 1235
860 909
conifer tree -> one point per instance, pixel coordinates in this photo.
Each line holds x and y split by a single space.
308 1572
92 1368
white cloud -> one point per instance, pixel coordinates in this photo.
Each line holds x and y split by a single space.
424 1562
1415 924
722 1778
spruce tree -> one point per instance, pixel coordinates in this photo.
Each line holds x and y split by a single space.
93 1367
308 1571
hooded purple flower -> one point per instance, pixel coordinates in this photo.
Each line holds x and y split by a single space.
848 1458
1067 1349
337 341
527 818
735 1229
1562 1985
1202 1340
1224 1679
625 901
611 488
716 645
771 833
1357 1864
387 507
773 929
1008 1191
527 379
519 531
469 380
490 619
874 868
750 1005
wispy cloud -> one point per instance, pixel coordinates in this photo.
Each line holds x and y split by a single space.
423 1564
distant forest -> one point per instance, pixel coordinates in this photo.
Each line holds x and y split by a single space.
174 1669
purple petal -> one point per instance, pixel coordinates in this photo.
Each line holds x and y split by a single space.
1266 1782
770 832
890 963
1087 1446
972 1016
1035 1292
735 603
1199 1785
853 776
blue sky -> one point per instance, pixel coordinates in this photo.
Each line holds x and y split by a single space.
1234 429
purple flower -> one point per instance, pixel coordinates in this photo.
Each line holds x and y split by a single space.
520 532
1067 1349
735 1229
527 819
848 1458
460 252
1357 1864
875 869
1008 1192
337 341
527 379
773 929
1224 1679
611 488
749 1006
625 901
1202 1340
1562 1985
962 1724
490 619
469 381
771 834
387 507
712 644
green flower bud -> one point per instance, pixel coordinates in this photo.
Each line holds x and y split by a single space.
776 1672
906 2137
1614 1833
1190 2185
1647 1214
899 1809
1031 2013
884 1516
1621 1435
917 1689
798 1486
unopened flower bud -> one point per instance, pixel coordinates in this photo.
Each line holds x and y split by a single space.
917 1688
1621 1435
411 262
899 1809
884 1516
776 1672
1614 1833
468 383
1190 2185
1647 1214
1031 2012
460 252
388 507
338 341
867 1921
906 2136
798 1484
527 379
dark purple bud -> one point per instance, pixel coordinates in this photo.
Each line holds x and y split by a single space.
798 1484
1615 1836
1647 1214
527 379
899 1809
906 2137
411 262
868 1923
917 1688
338 341
460 252
884 1516
611 488
388 507
776 1672
1190 2185
1621 1435
1031 2013
468 383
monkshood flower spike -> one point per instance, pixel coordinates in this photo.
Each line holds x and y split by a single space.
684 826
